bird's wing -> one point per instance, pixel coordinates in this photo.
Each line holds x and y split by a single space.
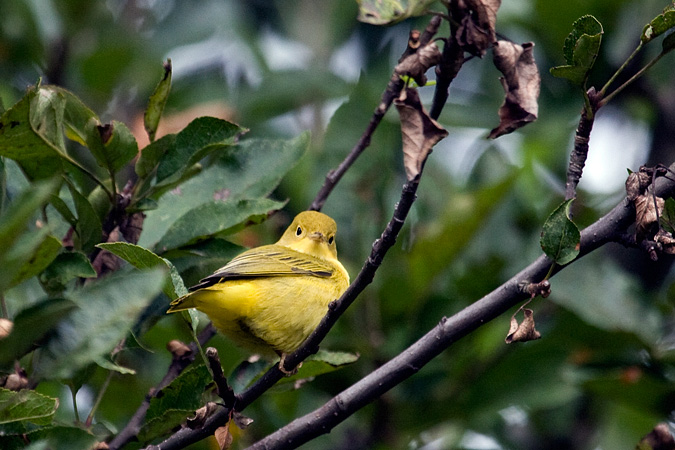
268 261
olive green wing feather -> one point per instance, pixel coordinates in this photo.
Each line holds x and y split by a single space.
268 261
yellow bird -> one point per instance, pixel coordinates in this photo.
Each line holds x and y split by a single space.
270 298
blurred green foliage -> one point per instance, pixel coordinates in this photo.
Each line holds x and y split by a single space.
603 373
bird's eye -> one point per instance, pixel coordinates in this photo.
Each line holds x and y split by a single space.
330 240
298 232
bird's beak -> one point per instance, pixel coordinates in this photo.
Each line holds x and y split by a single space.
317 236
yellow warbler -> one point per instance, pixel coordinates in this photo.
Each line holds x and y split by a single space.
270 298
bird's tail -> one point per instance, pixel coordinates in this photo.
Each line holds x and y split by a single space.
181 304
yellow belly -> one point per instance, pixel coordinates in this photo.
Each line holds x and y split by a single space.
270 315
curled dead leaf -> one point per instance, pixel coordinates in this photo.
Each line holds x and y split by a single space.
177 348
524 331
420 132
637 183
666 240
416 64
203 413
223 437
646 214
476 32
521 83
241 421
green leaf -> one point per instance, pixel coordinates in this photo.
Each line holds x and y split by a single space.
580 49
667 217
30 326
22 208
320 363
113 145
202 136
216 218
152 154
107 310
175 402
66 266
43 256
659 25
251 169
88 228
157 101
560 237
20 246
142 258
19 142
26 406
387 12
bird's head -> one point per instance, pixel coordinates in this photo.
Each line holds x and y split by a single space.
313 233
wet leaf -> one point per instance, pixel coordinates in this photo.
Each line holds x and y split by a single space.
523 332
521 83
157 101
420 132
560 237
476 32
580 49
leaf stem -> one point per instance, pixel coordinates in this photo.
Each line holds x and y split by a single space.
641 72
101 392
620 69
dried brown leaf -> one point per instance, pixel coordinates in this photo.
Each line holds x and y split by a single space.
476 32
223 437
420 132
201 415
416 64
666 240
524 331
241 421
646 214
6 327
521 83
636 184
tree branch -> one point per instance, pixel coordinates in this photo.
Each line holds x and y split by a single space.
178 364
448 331
392 91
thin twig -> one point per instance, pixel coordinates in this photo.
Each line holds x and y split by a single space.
178 364
448 331
393 90
580 151
186 436
224 390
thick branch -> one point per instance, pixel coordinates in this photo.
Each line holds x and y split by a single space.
607 229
